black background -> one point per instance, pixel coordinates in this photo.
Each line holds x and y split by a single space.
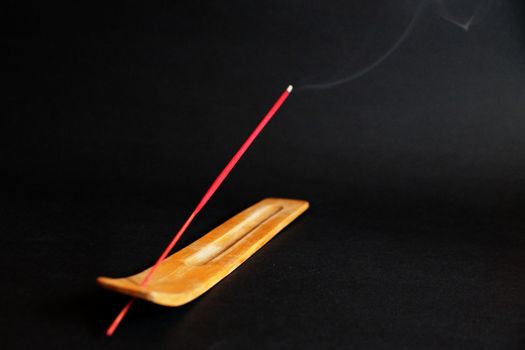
117 118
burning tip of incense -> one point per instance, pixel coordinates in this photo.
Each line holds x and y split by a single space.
290 88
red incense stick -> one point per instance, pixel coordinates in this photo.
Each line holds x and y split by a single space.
209 193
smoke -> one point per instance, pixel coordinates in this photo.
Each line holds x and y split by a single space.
462 13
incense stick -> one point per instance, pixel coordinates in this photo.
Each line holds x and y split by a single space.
209 193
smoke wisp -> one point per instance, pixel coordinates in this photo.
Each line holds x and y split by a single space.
462 13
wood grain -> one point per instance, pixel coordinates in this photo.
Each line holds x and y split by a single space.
190 272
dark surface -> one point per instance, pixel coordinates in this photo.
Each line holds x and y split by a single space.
117 120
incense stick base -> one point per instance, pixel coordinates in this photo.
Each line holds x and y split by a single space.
192 271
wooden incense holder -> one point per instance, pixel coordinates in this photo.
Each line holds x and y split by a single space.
190 272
